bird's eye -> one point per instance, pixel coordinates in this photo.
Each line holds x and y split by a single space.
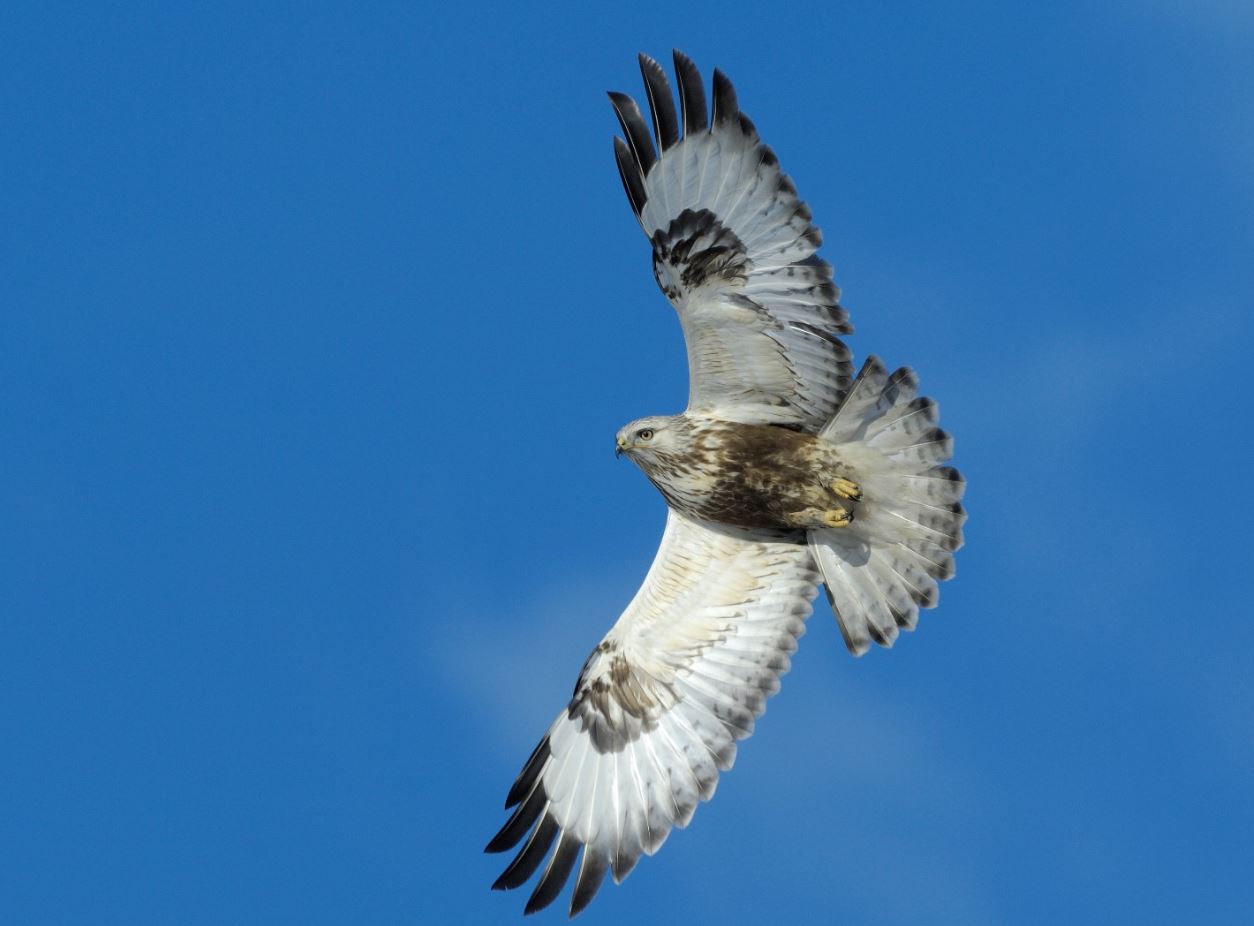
645 434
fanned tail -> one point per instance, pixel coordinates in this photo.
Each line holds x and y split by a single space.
881 569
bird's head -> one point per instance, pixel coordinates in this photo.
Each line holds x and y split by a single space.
646 440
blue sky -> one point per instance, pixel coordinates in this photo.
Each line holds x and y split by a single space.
318 323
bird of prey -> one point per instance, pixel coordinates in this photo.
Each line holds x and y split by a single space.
785 472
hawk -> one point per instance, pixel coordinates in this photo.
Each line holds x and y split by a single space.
785 472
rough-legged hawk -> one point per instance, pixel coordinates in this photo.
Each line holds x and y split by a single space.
785 472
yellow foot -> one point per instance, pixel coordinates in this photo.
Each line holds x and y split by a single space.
837 517
846 488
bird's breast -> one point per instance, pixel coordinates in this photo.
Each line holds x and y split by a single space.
744 475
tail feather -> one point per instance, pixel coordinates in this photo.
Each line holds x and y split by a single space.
880 570
937 486
896 592
918 418
937 563
930 449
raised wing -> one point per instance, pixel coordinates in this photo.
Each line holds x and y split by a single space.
658 707
734 251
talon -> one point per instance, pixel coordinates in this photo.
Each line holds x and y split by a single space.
837 517
846 488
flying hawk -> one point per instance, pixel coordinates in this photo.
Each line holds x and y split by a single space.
784 473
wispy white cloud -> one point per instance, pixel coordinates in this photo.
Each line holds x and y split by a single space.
1227 29
516 671
1219 17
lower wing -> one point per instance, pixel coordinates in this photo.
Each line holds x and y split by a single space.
658 707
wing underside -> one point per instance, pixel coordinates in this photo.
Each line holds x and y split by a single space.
734 251
658 708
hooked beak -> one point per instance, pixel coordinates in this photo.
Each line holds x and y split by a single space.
620 447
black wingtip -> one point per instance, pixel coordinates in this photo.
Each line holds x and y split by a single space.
635 130
554 877
691 94
591 874
661 102
726 109
530 772
529 857
517 825
633 183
